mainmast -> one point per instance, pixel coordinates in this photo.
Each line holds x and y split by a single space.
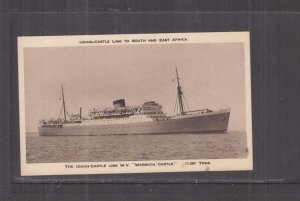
64 105
179 94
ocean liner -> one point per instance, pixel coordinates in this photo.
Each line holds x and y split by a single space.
147 118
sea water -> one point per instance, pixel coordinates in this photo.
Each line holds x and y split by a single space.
40 149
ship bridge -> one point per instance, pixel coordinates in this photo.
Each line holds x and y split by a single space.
152 110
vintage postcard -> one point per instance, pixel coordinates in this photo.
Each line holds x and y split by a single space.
138 103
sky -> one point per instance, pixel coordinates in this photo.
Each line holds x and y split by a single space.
212 76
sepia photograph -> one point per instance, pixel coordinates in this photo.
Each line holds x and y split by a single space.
138 103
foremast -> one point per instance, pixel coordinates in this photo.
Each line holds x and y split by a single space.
179 94
64 104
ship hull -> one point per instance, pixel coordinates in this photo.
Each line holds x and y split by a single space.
210 123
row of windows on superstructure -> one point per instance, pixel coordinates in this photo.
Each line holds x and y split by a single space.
151 108
160 112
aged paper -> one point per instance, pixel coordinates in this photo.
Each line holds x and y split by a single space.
138 103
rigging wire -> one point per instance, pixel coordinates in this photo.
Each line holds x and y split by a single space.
186 102
190 97
175 108
68 114
60 112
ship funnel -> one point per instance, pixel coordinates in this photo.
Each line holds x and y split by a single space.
119 103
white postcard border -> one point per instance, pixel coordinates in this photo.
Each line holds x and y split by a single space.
191 165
